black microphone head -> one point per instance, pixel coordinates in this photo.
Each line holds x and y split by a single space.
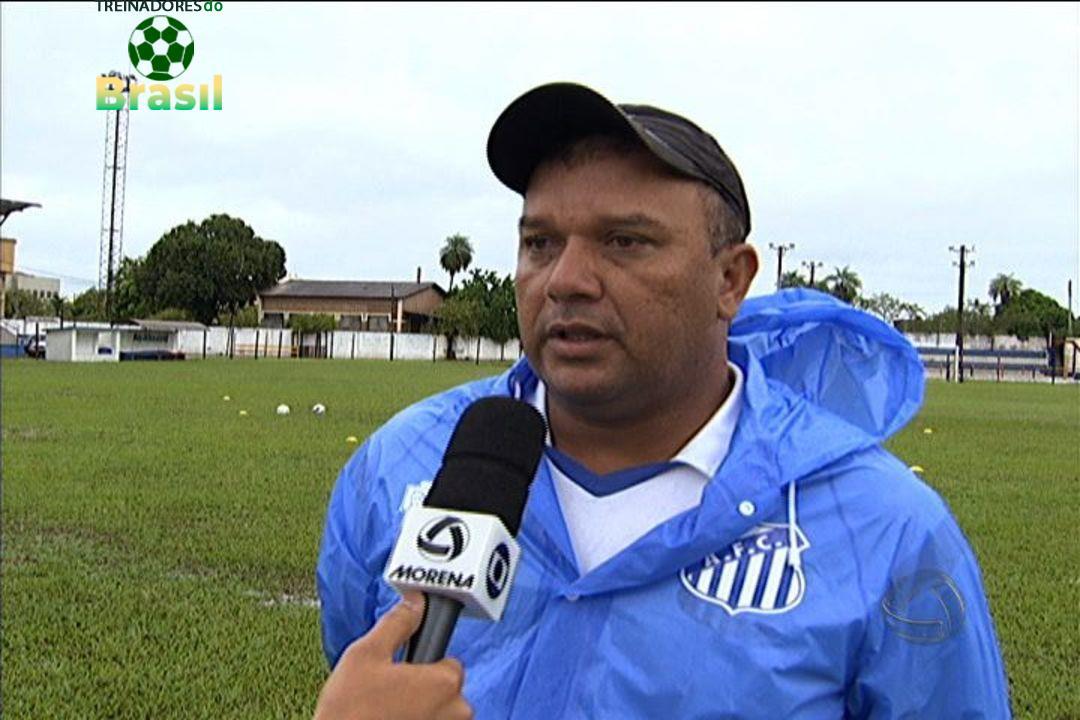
491 460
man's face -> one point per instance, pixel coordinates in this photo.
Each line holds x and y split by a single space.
617 288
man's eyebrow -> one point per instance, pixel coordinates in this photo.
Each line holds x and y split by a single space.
633 220
527 222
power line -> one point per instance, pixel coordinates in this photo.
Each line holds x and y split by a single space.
60 275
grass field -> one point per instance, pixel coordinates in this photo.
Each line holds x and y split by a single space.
158 547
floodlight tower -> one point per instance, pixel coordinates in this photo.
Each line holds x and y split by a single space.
112 193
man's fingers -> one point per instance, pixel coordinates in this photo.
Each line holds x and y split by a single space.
453 672
395 627
459 709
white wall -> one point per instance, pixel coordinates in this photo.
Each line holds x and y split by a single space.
89 342
976 342
375 345
341 345
60 345
465 349
190 342
408 346
268 342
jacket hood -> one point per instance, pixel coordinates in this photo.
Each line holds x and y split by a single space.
840 359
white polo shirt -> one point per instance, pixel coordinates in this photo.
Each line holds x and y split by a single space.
606 513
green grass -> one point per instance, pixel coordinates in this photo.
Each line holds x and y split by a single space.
1006 457
151 533
148 527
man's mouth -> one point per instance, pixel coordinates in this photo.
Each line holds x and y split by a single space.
575 332
575 338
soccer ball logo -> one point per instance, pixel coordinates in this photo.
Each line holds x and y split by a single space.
161 48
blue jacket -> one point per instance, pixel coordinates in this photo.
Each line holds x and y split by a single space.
819 578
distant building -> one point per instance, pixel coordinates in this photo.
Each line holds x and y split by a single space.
101 342
377 306
45 288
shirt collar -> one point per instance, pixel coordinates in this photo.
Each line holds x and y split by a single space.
704 452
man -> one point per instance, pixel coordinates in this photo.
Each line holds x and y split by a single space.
715 530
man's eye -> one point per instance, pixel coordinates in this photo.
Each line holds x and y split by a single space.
534 242
625 241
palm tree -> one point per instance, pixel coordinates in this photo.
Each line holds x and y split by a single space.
844 284
455 256
911 311
792 279
1003 289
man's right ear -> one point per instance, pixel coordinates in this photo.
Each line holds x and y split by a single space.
738 267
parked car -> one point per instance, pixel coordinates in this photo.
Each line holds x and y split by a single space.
35 347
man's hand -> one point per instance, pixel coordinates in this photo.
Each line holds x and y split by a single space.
368 685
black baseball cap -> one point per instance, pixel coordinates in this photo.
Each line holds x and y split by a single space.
550 116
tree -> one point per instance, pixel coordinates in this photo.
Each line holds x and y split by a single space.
60 307
485 305
1032 314
319 322
459 316
1002 290
910 312
885 306
977 319
456 256
503 312
1029 314
129 302
171 314
844 284
792 279
89 306
210 269
23 303
247 316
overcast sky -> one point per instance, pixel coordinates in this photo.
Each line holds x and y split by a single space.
869 136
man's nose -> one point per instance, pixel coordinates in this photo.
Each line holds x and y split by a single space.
574 275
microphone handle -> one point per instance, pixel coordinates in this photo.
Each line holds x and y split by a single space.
429 643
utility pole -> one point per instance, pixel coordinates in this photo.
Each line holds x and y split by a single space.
1070 309
963 264
813 265
780 250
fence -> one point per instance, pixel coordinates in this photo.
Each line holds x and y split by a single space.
984 364
337 344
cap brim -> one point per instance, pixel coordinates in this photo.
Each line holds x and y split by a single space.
543 119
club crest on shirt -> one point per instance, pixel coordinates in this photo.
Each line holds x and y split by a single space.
753 575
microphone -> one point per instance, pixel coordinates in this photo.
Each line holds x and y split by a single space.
458 548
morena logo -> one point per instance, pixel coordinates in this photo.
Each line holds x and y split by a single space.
498 570
443 539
